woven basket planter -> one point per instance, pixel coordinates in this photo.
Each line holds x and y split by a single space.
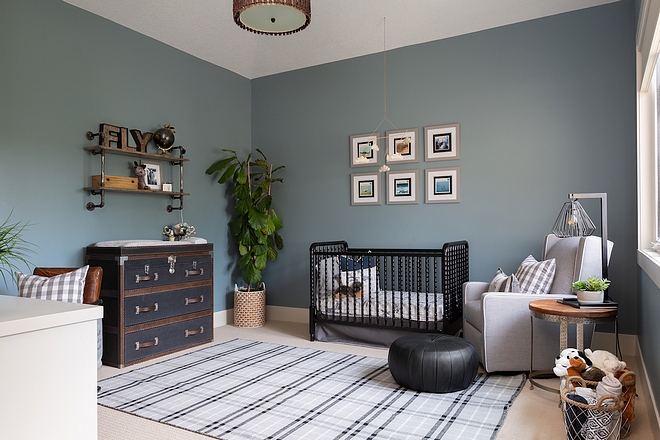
250 308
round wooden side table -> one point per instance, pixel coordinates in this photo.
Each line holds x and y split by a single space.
554 311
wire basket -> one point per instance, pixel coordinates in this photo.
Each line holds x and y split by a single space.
609 419
250 308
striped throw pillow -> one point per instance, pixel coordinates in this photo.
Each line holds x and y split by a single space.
536 276
68 287
503 283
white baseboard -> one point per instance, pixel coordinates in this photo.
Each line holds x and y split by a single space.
273 313
645 378
607 341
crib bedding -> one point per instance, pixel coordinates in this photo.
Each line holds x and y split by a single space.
412 306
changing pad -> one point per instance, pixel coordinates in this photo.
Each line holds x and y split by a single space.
136 243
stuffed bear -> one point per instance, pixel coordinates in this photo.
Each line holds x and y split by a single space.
561 366
605 360
141 174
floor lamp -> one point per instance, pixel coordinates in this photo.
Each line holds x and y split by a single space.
573 221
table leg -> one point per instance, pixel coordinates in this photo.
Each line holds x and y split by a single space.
563 334
580 336
531 351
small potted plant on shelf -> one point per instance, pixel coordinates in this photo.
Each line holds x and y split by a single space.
591 290
13 248
254 228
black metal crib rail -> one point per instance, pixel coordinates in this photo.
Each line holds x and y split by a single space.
390 280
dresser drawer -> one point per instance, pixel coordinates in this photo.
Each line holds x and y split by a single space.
153 306
166 270
171 337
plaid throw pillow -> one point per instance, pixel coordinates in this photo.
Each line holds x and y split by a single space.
536 276
504 283
68 287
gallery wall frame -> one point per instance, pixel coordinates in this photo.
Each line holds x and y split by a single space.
443 185
402 187
442 142
398 142
152 177
365 189
362 155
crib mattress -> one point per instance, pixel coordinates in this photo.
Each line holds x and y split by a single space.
411 306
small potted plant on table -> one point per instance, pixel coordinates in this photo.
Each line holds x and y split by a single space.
591 290
13 248
254 228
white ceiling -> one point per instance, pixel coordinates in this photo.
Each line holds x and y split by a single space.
339 29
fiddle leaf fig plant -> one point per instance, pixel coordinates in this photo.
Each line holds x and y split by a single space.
255 225
13 248
592 284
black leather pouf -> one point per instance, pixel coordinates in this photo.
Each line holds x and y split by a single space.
433 363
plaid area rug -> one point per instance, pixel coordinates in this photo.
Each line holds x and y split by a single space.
254 390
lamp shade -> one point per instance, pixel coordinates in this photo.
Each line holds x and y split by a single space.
273 17
573 221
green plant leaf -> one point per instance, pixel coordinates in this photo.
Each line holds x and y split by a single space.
229 172
259 249
257 220
277 221
241 177
263 205
219 165
272 253
261 261
278 241
251 275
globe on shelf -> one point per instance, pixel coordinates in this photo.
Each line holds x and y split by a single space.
164 138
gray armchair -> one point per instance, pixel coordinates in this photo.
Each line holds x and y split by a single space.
498 323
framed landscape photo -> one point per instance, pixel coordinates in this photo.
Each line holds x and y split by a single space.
402 187
362 155
441 142
402 146
152 177
365 189
443 185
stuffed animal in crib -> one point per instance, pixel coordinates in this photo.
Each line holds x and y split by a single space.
605 360
141 174
354 290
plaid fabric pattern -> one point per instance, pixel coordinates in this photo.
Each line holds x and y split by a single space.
253 390
504 283
536 276
68 287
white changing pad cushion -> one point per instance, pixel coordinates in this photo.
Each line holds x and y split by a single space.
136 243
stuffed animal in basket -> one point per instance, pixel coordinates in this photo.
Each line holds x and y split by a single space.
354 290
628 393
605 360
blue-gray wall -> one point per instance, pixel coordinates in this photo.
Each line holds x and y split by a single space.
62 72
545 107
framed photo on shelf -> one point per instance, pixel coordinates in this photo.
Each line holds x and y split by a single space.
152 177
362 155
365 189
402 187
443 185
402 146
441 142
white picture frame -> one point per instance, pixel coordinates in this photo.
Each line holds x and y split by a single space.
365 189
443 185
442 142
360 146
396 143
402 187
152 176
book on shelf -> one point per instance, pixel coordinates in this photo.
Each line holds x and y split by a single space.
607 304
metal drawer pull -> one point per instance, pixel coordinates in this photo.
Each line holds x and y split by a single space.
172 260
194 272
153 277
139 345
194 332
139 309
187 301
